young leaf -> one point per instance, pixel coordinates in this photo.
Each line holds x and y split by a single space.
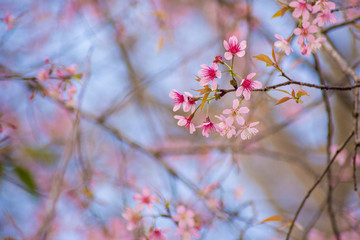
264 58
280 13
26 177
271 219
204 100
273 54
160 43
301 93
284 99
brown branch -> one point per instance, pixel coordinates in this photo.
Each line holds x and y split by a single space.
340 25
316 184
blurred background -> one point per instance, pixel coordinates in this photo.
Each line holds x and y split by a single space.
71 162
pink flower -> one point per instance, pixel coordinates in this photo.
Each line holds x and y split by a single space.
157 234
248 131
305 32
236 112
323 5
311 46
247 86
325 16
185 217
133 217
226 126
146 198
9 20
71 69
209 74
188 233
186 122
283 44
186 100
208 189
43 75
71 91
208 127
234 48
301 9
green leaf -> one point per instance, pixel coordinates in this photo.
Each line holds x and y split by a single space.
26 177
42 154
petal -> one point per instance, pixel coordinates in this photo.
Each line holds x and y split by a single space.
306 24
182 122
294 4
213 85
218 74
204 81
277 36
178 117
313 29
239 91
296 13
256 85
176 107
192 128
243 110
236 104
228 56
254 124
233 41
240 120
243 45
247 94
251 75
297 31
226 45
240 54
215 66
305 15
204 66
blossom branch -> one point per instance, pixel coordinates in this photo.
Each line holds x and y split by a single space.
340 25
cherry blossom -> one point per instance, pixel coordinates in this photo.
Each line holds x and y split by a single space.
186 100
218 59
247 86
247 131
188 233
306 32
324 17
226 126
234 48
237 111
323 5
301 9
311 46
185 217
145 198
186 122
157 234
208 127
209 74
43 75
133 217
283 44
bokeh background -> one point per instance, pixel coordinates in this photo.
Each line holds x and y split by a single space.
121 135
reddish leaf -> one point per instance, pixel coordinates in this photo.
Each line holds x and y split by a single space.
284 99
264 58
271 219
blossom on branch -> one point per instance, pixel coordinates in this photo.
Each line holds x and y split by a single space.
234 48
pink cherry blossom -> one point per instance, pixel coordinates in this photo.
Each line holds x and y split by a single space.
9 19
234 48
71 69
311 46
145 198
71 91
323 5
186 100
324 17
218 59
236 112
301 9
157 234
209 74
185 217
247 86
133 217
226 126
43 75
186 122
208 127
283 44
247 131
306 32
187 233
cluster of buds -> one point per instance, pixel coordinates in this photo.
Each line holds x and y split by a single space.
310 18
233 124
61 87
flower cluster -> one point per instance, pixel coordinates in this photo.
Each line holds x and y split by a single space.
61 84
310 18
234 123
187 226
